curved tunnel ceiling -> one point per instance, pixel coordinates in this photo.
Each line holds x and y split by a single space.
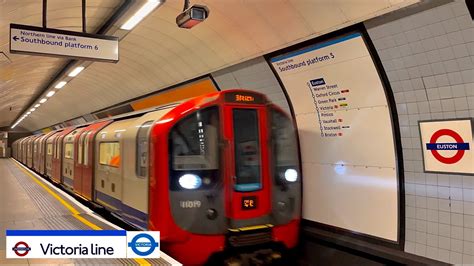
157 54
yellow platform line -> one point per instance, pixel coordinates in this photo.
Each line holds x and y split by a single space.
68 206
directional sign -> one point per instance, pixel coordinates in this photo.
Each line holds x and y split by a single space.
59 43
447 146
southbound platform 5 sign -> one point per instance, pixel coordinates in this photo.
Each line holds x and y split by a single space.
59 43
82 244
447 146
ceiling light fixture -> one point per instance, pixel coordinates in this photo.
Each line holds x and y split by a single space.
140 14
32 109
28 113
50 94
76 71
38 105
43 100
60 84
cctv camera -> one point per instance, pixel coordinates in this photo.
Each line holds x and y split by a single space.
192 16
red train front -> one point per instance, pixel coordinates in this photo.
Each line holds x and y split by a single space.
225 175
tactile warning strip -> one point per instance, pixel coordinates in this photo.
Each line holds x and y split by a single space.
48 206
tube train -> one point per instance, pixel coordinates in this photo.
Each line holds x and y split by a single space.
215 172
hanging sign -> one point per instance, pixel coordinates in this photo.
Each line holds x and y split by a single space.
60 43
447 146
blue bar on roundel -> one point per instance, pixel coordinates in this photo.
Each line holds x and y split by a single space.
448 146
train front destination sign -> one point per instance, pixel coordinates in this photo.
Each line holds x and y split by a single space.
32 40
447 146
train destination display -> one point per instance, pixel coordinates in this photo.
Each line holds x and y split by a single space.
339 94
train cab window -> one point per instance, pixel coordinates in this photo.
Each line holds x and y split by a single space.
69 151
285 148
194 151
109 153
247 150
49 148
141 164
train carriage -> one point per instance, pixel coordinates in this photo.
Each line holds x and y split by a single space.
30 144
57 159
70 155
22 150
51 153
42 153
84 164
36 151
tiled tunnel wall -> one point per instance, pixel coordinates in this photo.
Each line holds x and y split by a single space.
429 60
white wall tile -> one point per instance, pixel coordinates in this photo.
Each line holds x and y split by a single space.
443 255
455 257
432 252
457 232
432 216
444 242
457 246
468 247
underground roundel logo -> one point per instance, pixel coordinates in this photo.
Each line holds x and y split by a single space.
143 244
458 145
21 249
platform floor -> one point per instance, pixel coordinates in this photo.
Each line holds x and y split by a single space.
29 202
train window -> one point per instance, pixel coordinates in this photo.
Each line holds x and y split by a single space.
49 149
285 148
86 149
194 150
141 164
69 151
80 150
54 148
247 150
57 148
109 153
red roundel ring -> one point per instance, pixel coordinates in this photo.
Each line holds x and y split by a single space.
447 132
27 249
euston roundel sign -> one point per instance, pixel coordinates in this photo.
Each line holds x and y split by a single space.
21 249
457 145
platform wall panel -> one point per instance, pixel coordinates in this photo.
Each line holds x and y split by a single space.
428 56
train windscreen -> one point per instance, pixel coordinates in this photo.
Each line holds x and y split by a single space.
285 148
194 146
247 150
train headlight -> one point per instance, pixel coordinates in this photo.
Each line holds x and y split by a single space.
190 181
291 175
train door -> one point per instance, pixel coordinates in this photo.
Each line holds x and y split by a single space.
247 177
50 154
56 162
29 151
36 152
79 163
85 179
